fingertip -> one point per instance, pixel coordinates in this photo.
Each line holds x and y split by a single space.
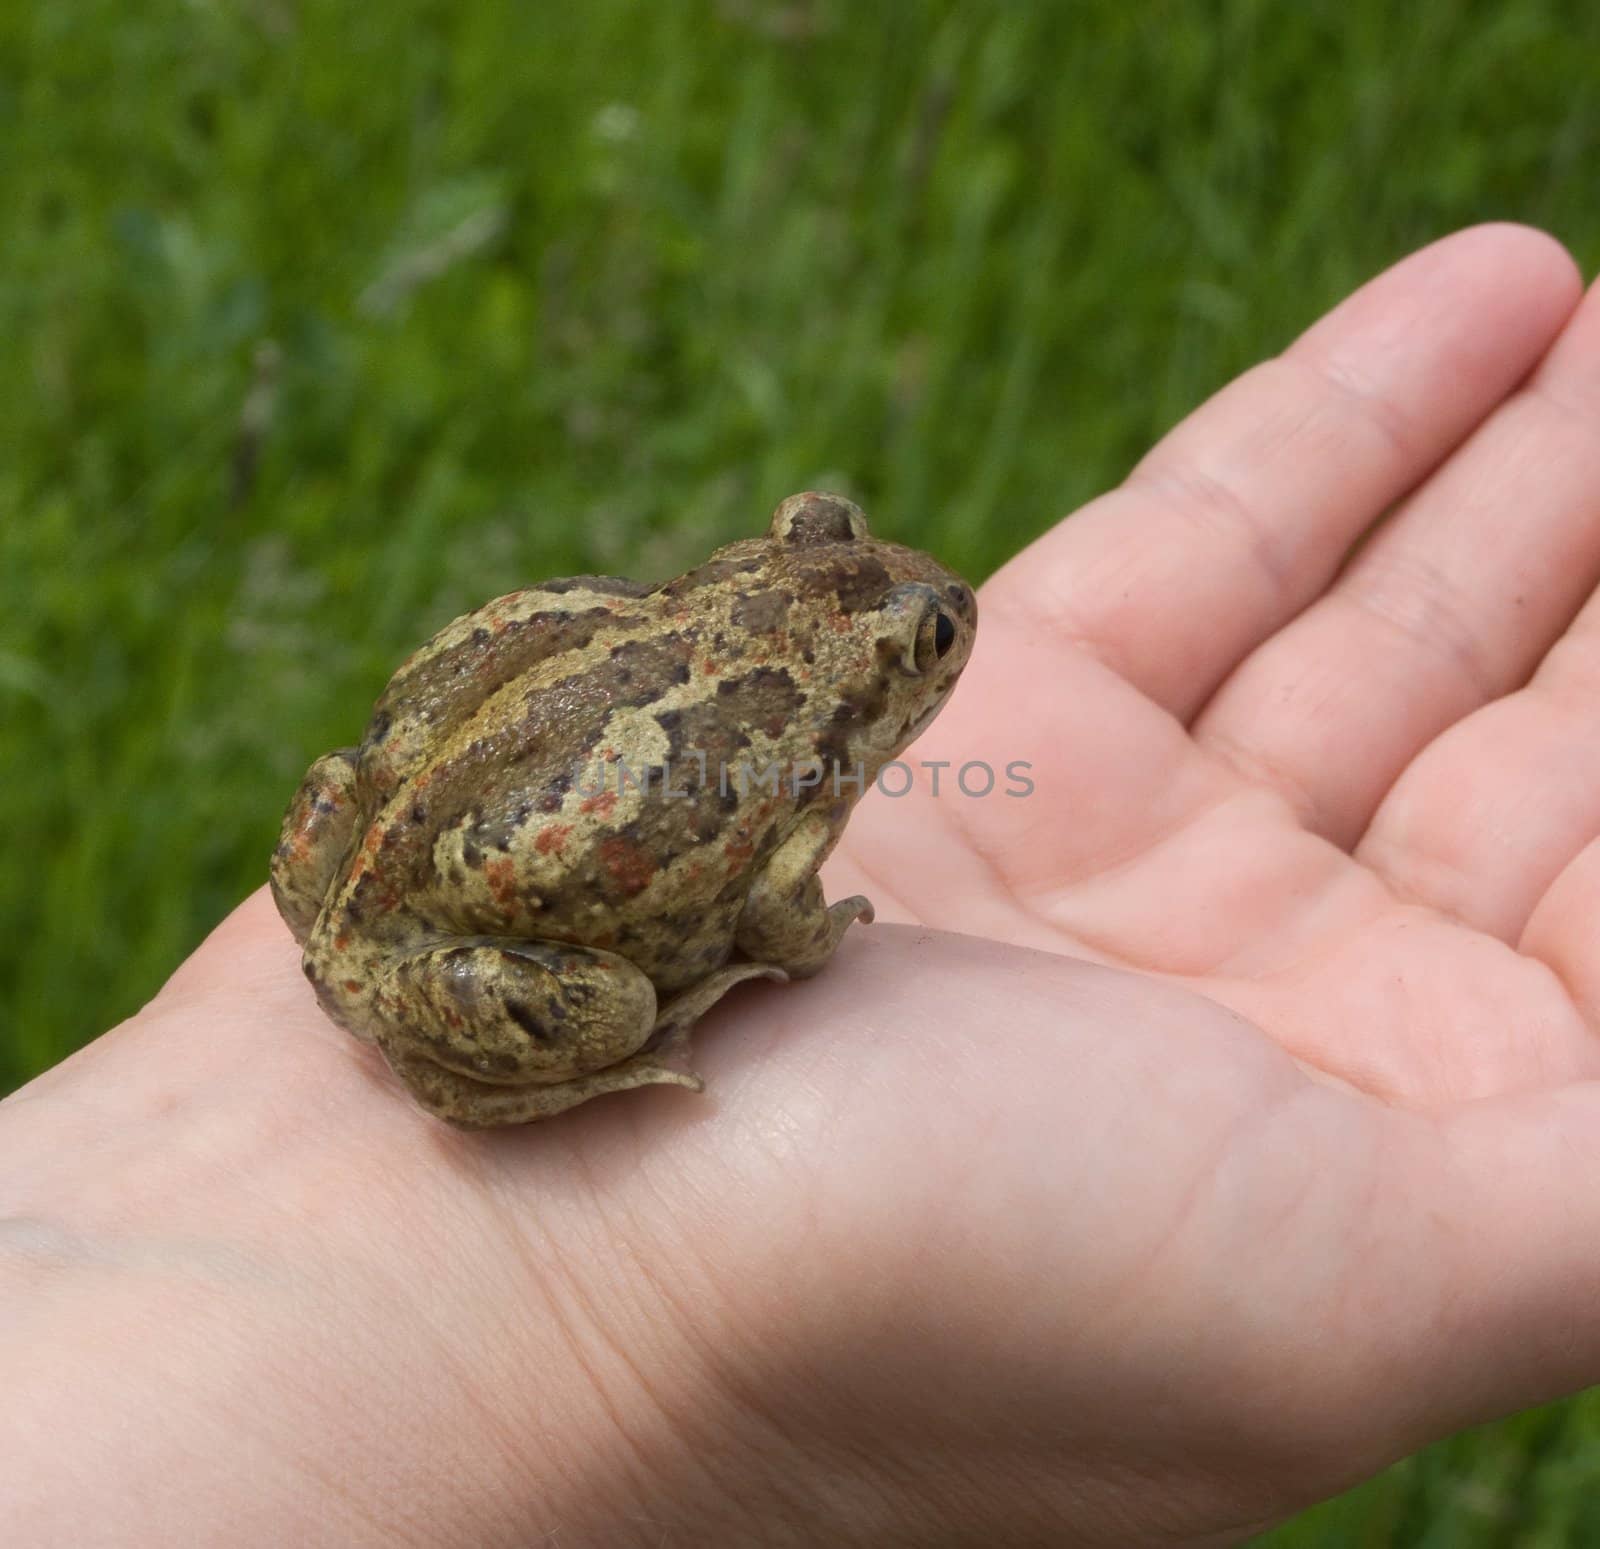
1482 305
1509 252
1532 249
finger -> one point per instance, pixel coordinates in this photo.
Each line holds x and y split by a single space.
1483 823
1561 930
1449 606
1244 512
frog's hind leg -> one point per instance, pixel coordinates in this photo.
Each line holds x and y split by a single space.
487 1032
315 838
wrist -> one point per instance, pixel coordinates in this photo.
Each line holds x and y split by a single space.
254 1292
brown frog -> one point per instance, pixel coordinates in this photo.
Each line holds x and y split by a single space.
583 812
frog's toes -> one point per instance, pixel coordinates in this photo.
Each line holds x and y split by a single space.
468 1103
848 911
685 1009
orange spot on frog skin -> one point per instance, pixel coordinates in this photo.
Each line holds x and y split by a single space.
341 941
554 837
602 804
629 864
738 852
501 875
353 986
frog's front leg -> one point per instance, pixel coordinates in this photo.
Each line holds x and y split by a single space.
785 922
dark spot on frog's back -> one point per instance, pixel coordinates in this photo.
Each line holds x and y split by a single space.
539 636
643 670
852 574
702 730
761 612
765 698
442 689
714 572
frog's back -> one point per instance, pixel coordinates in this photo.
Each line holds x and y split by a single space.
619 800
448 680
568 763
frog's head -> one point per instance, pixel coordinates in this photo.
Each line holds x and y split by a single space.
892 627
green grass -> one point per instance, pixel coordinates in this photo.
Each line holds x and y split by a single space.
586 287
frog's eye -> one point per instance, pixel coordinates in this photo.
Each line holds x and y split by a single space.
936 635
817 517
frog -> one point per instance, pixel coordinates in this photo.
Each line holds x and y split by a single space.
583 812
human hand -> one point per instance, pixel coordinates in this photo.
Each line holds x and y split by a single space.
970 1241
1353 799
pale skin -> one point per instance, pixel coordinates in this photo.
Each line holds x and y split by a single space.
1214 1126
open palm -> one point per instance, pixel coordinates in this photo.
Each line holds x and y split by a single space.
1353 798
1311 705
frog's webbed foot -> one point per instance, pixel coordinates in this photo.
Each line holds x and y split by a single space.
841 916
800 935
669 1038
469 1103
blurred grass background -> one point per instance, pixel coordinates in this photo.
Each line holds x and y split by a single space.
323 321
